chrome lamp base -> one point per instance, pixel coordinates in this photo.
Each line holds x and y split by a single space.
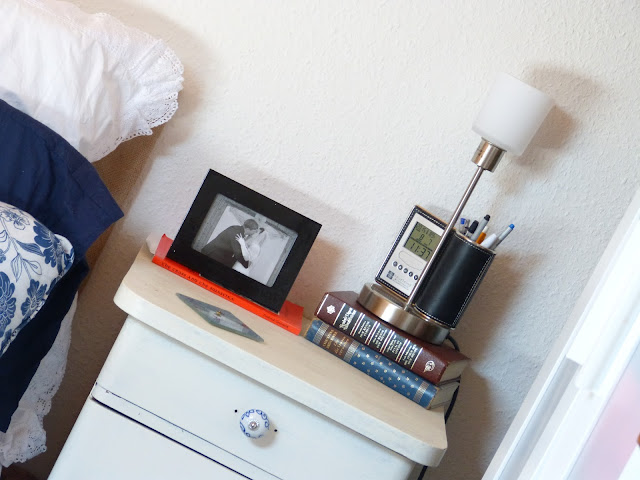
391 308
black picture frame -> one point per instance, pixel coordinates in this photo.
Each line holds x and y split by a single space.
275 251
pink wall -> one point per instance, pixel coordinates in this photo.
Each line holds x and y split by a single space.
615 436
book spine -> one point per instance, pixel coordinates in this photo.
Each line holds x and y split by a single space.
379 337
195 278
373 364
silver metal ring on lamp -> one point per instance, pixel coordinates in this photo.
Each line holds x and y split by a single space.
390 308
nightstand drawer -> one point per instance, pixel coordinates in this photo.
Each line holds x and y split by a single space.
206 398
105 445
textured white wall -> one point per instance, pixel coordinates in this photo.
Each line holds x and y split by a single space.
351 112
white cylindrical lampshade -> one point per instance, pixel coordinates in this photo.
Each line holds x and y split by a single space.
512 114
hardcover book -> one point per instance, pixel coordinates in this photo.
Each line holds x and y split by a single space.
435 363
380 368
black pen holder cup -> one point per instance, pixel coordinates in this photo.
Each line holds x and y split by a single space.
453 279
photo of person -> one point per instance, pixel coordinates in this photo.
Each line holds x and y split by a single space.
250 246
241 239
228 246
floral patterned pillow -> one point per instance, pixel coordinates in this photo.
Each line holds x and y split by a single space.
32 260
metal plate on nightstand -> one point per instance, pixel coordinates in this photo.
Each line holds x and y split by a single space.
220 318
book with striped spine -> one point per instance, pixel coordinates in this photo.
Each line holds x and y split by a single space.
380 368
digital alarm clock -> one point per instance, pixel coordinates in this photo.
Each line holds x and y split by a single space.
411 251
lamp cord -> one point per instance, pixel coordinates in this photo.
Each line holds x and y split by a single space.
453 402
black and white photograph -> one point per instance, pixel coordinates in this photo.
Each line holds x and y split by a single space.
244 241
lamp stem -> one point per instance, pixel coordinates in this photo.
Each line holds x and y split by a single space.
450 226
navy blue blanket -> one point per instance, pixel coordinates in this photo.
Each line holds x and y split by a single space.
45 176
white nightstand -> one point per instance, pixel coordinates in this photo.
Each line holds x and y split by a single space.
170 396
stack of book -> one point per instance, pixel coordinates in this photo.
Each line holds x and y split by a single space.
425 373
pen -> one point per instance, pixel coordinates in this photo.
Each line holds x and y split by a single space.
483 223
472 228
482 235
463 226
490 241
503 235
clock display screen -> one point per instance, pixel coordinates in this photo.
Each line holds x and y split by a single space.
422 241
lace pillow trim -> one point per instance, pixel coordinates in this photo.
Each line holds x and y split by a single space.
152 67
25 438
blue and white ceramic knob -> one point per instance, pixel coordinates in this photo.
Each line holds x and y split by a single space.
254 423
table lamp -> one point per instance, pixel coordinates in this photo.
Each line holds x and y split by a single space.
511 115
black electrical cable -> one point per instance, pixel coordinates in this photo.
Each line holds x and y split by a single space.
453 342
453 402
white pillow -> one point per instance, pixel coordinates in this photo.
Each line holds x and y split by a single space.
88 77
32 260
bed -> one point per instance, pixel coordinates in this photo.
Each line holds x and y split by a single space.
74 86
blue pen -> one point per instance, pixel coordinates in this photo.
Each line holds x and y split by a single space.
503 235
463 226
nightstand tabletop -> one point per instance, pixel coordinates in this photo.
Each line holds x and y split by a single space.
286 363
